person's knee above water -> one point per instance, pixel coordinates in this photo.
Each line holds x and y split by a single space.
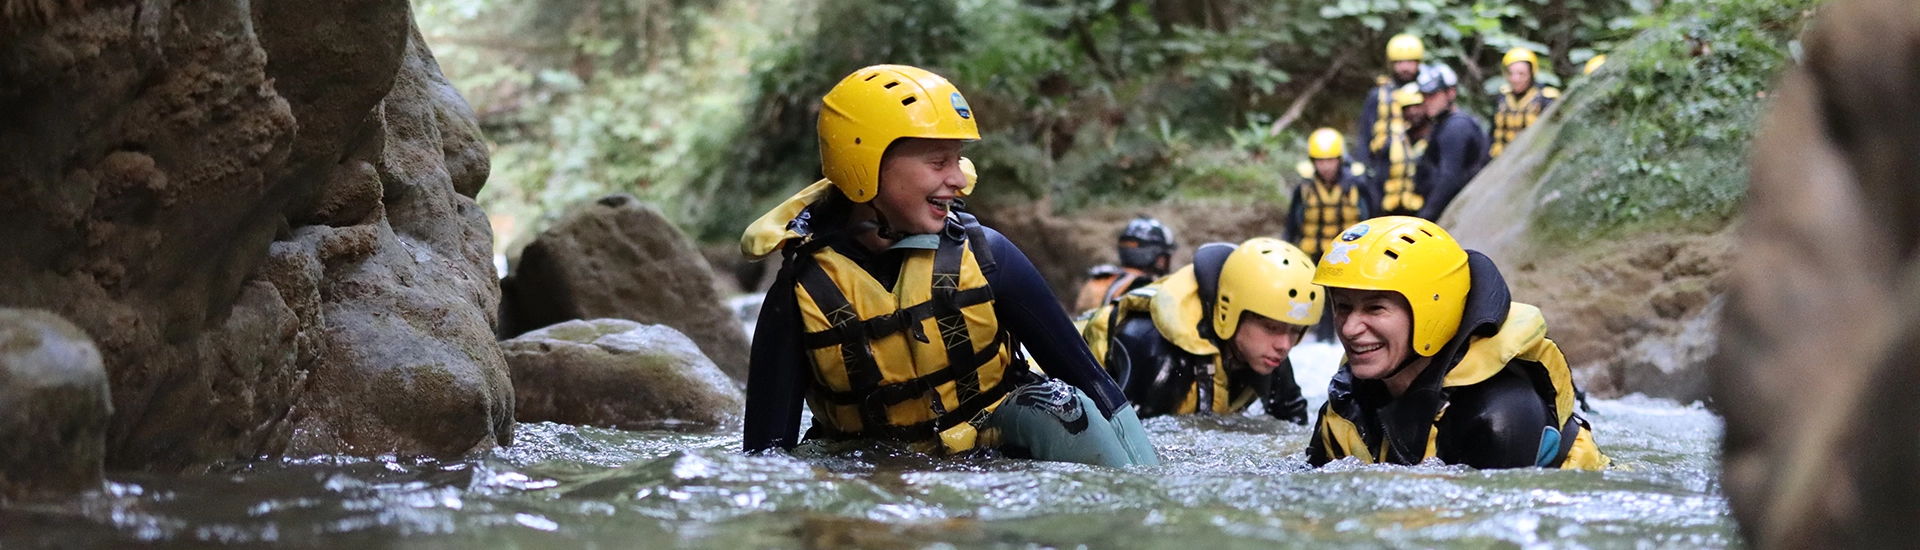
1379 121
1441 362
1456 144
1213 337
1145 250
896 317
1521 100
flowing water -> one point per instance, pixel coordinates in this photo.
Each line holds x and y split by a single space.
1234 482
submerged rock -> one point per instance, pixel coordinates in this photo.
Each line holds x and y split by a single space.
617 258
53 406
620 374
263 213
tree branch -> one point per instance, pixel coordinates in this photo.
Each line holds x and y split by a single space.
1299 104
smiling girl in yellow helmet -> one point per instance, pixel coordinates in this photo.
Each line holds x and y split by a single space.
897 318
1441 362
1214 336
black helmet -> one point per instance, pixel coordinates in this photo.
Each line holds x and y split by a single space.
1144 242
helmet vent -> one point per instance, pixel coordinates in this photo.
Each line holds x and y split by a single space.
1408 238
1424 230
1293 293
890 85
1313 295
909 100
1392 254
856 141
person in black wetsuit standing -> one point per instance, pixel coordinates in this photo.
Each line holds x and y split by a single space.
1457 145
900 319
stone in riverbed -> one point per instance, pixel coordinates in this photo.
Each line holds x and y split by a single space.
620 374
53 406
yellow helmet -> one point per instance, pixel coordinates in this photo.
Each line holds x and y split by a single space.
1595 63
1406 47
871 108
1407 96
1269 277
1410 256
1326 143
1517 55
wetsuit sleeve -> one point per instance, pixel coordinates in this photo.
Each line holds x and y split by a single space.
1369 115
1369 201
1283 400
1455 152
1317 455
1027 309
1296 214
1494 424
776 372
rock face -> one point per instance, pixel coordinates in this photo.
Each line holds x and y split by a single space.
1634 314
619 374
616 258
1817 371
53 406
262 212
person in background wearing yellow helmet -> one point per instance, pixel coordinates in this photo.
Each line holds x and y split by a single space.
1378 119
1328 200
1394 176
1145 250
1441 362
1594 64
1457 143
1213 337
897 318
1521 100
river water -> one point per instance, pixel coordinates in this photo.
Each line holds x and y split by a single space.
1233 482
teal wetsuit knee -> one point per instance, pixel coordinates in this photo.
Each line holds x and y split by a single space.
1054 421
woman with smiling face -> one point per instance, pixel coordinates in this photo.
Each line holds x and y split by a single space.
1441 362
1214 336
898 319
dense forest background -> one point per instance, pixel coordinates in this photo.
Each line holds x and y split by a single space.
706 107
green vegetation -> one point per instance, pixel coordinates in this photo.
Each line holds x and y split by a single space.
707 107
1660 134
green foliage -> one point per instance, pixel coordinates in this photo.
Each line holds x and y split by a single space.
1661 132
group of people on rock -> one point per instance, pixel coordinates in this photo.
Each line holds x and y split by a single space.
897 317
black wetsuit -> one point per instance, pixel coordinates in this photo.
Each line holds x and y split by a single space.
1157 374
780 372
1492 424
1457 149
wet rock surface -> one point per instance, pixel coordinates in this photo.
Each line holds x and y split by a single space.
618 374
53 406
1817 373
262 213
617 258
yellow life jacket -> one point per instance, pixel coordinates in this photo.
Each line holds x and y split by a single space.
1388 120
1325 214
1398 195
1522 337
1174 304
1517 113
924 362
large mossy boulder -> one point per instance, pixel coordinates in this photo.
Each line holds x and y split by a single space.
54 406
1615 212
618 374
263 214
618 258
